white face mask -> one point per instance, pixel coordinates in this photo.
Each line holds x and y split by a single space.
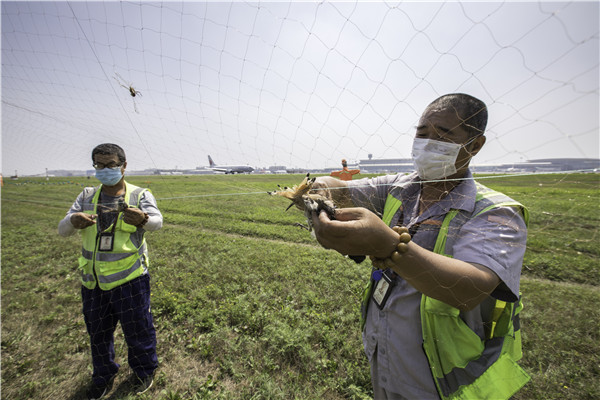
434 159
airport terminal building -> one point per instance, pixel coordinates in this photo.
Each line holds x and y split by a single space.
393 165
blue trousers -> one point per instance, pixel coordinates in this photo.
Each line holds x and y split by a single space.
128 304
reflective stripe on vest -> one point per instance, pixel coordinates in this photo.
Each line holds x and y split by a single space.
117 276
107 279
134 197
86 278
111 256
458 377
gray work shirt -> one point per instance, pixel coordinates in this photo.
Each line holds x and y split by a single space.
495 239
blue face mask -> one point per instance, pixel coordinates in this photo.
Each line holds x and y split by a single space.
109 176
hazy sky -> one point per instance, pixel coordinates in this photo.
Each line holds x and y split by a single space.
298 84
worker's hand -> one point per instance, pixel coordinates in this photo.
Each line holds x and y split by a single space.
332 189
355 231
82 220
321 188
133 216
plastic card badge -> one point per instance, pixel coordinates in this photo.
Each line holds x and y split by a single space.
383 288
106 241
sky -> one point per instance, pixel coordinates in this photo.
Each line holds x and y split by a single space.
295 84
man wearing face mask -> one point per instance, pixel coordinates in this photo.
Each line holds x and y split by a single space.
440 313
113 219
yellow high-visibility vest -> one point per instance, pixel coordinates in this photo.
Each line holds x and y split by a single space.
462 364
126 261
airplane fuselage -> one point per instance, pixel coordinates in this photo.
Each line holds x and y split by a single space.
233 169
230 169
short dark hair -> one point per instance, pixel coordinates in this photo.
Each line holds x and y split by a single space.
472 111
109 149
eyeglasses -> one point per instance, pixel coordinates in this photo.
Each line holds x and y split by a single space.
110 166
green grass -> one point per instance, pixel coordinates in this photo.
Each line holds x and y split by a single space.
563 242
248 306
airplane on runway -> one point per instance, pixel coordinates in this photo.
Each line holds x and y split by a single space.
229 169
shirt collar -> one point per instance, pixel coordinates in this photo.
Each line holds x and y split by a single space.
462 197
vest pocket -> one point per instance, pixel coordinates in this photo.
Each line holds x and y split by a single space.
501 380
83 263
464 366
116 262
87 275
455 343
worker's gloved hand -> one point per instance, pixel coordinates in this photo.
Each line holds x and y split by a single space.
82 220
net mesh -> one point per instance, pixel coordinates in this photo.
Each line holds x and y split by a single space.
296 84
303 85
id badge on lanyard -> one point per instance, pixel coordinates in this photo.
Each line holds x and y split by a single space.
383 288
107 239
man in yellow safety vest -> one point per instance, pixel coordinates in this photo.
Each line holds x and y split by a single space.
113 219
441 311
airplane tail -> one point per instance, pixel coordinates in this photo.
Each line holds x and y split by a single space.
211 162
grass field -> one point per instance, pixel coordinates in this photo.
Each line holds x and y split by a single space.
248 306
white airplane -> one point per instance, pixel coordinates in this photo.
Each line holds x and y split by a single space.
229 169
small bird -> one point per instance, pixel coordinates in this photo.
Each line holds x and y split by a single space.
309 202
296 192
303 200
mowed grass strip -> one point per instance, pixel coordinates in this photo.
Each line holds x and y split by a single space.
247 305
561 340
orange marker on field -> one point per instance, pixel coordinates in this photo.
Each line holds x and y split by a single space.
345 174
